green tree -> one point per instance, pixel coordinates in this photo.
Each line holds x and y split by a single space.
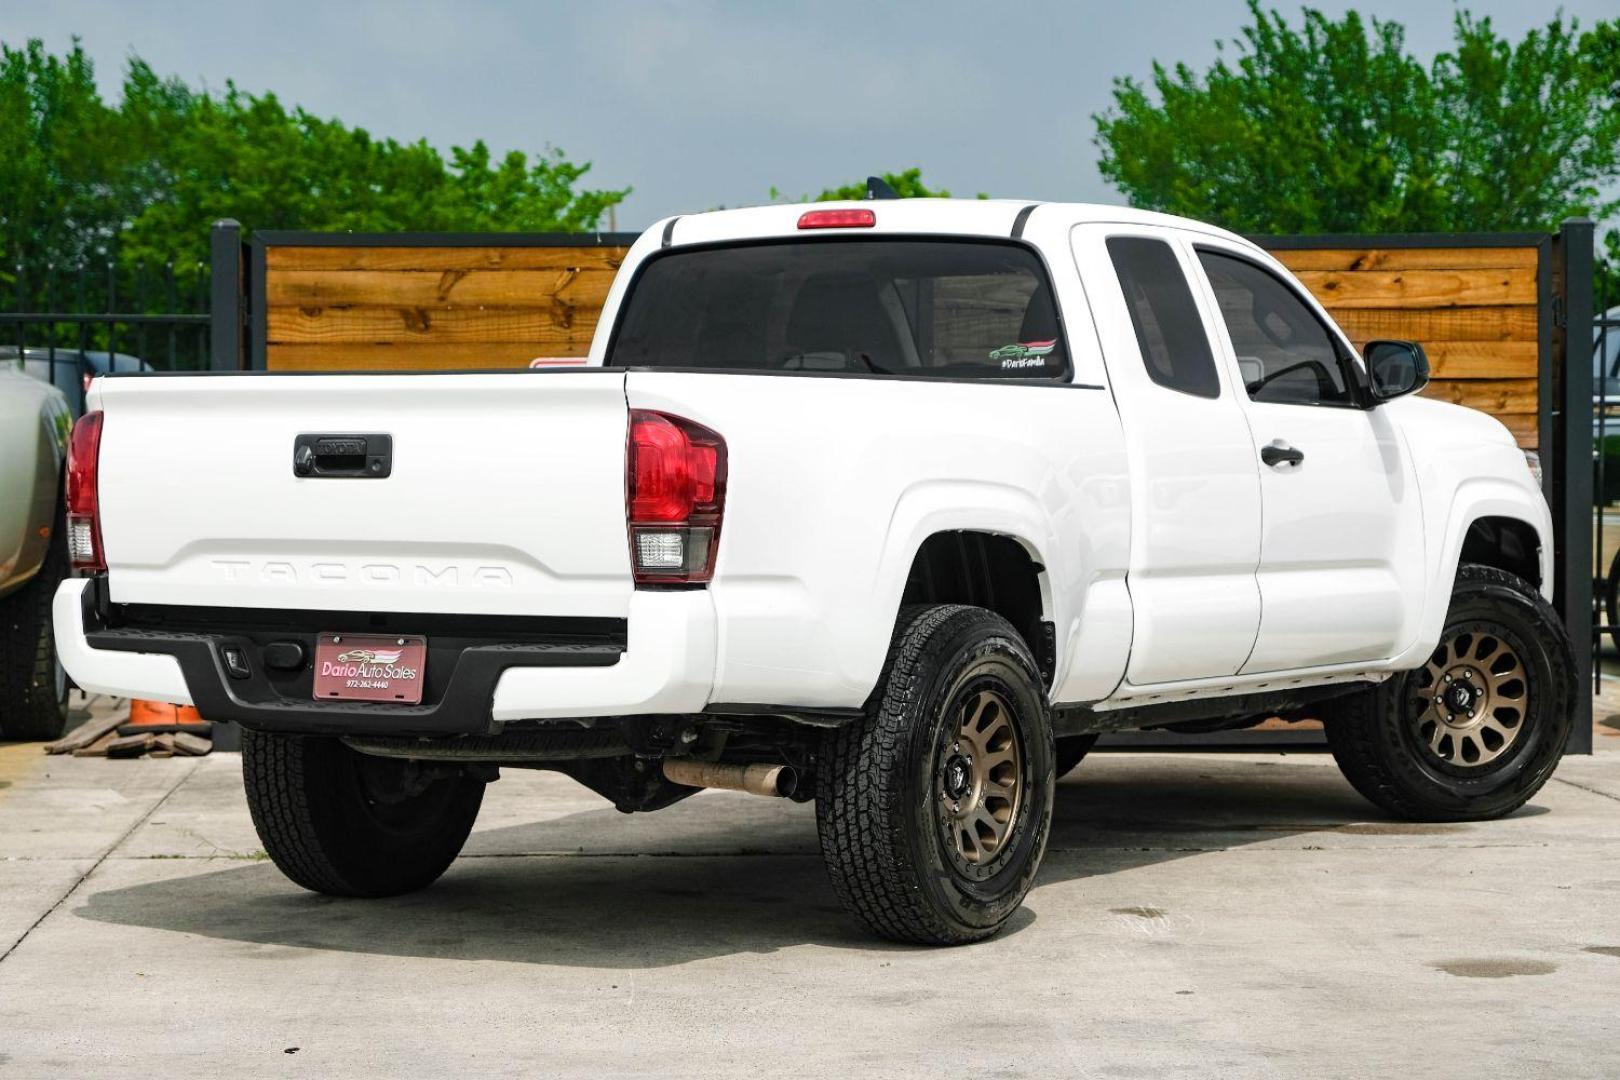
145 178
68 179
1332 126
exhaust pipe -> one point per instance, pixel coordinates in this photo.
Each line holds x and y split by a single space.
775 781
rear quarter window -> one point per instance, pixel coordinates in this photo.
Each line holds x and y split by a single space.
1168 328
918 308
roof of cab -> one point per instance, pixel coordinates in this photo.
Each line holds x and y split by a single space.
964 217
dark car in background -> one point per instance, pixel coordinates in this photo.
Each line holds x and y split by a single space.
34 425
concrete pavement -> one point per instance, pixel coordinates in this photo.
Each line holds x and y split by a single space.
1197 915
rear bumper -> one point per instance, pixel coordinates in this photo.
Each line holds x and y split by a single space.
658 661
155 676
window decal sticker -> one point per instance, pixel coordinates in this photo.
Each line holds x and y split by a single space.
1022 354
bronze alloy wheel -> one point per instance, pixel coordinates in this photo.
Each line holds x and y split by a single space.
980 780
1477 730
934 809
1471 700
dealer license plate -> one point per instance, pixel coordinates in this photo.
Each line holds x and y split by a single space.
370 667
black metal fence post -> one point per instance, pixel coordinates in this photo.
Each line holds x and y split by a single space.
228 348
1572 458
225 334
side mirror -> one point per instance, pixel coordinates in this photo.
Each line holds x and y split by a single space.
1396 368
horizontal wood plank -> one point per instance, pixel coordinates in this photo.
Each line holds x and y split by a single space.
443 258
437 288
1524 427
85 734
98 748
1478 359
1426 289
558 324
1408 258
412 356
1499 397
1481 359
1450 324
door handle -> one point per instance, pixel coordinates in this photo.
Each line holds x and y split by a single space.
357 457
1281 455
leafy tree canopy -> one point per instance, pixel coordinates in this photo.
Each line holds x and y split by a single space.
147 176
1331 126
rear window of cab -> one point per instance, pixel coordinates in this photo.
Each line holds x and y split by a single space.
920 308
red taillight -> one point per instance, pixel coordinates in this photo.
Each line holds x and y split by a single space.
837 219
83 501
675 494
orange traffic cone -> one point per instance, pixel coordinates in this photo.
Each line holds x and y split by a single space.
160 717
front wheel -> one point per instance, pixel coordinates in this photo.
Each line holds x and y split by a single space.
1476 731
344 823
933 809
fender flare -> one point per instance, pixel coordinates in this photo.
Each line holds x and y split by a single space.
930 507
1474 499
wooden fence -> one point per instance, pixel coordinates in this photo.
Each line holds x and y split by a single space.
1478 305
416 302
354 301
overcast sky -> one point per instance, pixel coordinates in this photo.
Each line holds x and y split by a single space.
698 104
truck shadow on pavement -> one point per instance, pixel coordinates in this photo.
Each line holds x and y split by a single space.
592 889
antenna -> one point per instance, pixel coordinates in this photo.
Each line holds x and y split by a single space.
878 188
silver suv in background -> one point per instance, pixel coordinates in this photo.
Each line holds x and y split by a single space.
34 422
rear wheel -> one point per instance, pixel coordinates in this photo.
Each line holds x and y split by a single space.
933 810
344 823
33 686
1476 731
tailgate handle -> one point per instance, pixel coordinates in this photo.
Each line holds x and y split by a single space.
354 457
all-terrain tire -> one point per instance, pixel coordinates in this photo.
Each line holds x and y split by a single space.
347 824
889 832
1070 751
1374 734
33 687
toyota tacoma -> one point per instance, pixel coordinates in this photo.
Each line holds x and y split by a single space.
893 506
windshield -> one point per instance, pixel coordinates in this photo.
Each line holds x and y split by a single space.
924 308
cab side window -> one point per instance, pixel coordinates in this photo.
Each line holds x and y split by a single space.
1284 353
1168 329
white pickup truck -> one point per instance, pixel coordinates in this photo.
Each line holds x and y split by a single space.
890 505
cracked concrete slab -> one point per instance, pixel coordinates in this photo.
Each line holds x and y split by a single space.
1592 773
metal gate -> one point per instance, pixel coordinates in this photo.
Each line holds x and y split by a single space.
1572 409
1606 486
68 324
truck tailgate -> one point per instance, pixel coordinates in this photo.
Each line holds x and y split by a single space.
505 497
